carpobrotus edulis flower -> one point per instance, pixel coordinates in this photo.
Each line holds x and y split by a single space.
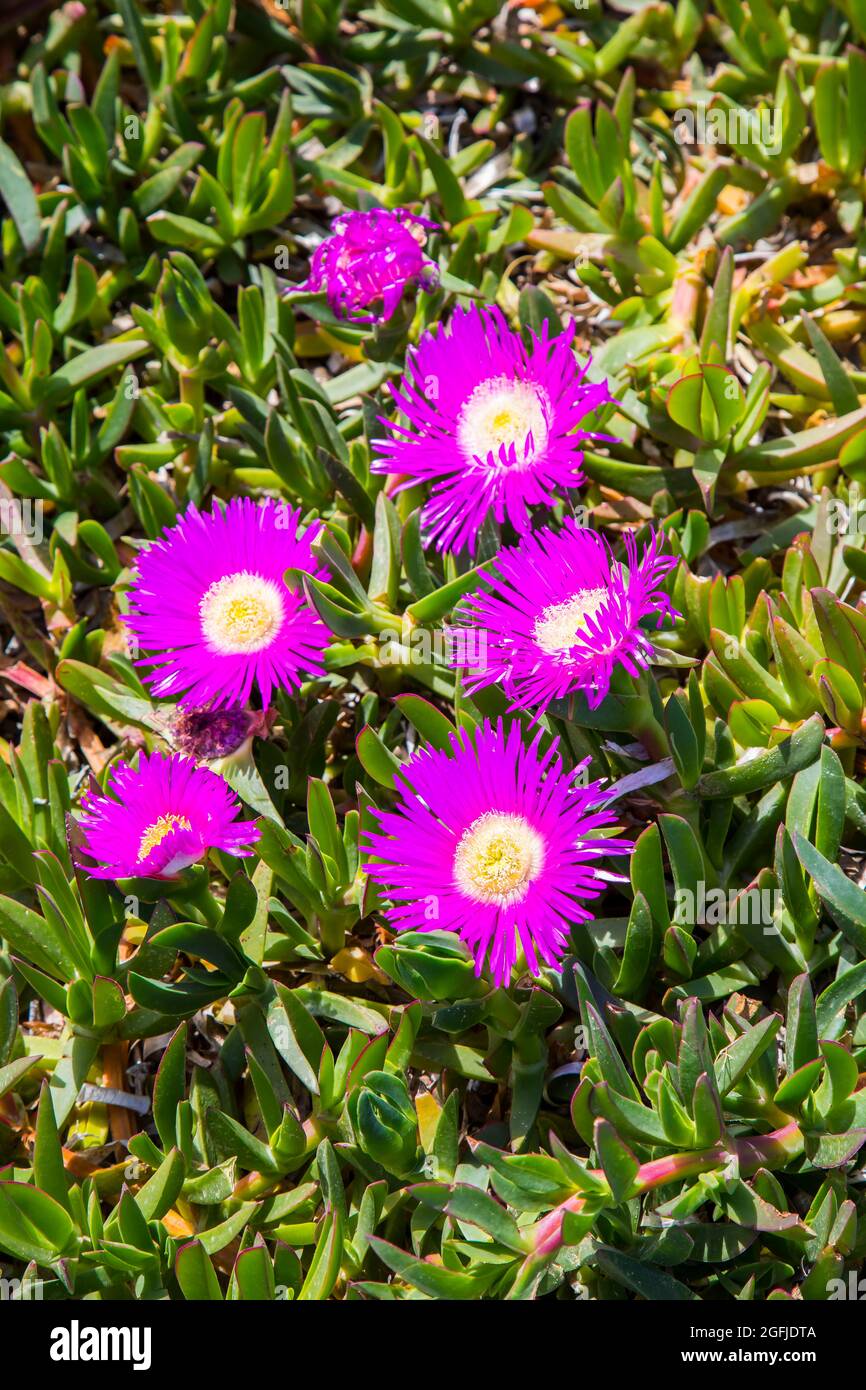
369 261
495 841
210 606
493 427
559 613
156 819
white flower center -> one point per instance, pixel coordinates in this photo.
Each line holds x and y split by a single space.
497 858
556 629
503 411
241 613
156 833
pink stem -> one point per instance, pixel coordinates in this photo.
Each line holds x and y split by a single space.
766 1151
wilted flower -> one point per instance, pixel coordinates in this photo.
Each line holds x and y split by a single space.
156 819
210 605
559 613
369 261
496 842
205 734
493 426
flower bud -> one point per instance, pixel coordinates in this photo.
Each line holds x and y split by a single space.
384 1121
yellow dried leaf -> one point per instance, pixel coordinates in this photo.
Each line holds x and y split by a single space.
732 199
356 965
428 1110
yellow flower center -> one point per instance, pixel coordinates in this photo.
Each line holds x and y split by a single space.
156 833
504 424
500 412
497 858
556 629
241 613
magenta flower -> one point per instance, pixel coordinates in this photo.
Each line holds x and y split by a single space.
210 605
557 614
492 426
156 819
494 841
368 262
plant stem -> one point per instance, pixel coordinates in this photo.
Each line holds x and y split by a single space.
332 932
772 1150
203 900
253 1185
645 726
653 737
192 393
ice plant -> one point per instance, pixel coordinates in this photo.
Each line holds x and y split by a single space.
763 1152
559 613
210 606
495 841
492 426
369 261
158 818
